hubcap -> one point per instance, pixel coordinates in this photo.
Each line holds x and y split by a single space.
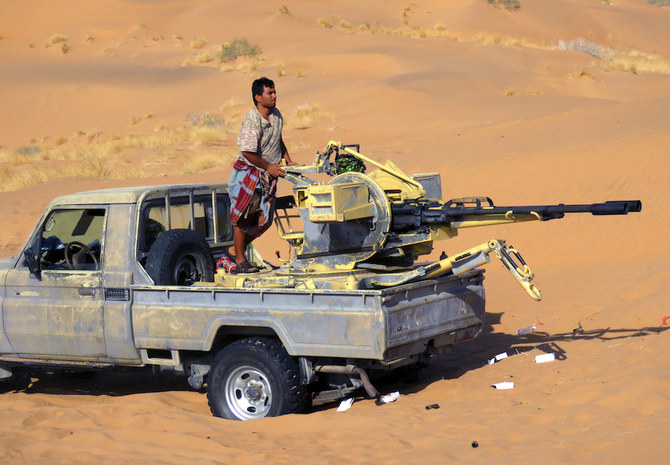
248 393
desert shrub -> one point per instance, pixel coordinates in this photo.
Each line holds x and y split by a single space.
510 5
585 46
238 48
659 2
199 43
284 10
204 57
57 39
200 163
204 119
323 22
305 115
28 150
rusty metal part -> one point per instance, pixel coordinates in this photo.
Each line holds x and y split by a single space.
350 370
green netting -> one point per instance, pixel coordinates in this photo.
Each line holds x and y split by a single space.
345 163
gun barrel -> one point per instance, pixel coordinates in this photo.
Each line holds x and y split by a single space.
547 212
413 215
617 207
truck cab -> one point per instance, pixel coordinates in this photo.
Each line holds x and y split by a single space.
66 295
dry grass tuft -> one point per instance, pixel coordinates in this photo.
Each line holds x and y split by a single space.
201 163
323 22
346 25
407 9
249 66
57 39
11 180
632 61
135 120
199 43
204 57
586 72
305 116
86 154
509 92
637 62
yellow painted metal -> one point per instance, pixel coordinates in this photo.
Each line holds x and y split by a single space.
506 254
339 202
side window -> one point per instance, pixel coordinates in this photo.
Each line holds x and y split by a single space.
154 219
71 239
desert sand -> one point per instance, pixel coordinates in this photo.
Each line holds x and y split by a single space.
561 101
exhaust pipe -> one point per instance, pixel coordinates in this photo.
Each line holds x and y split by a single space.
350 370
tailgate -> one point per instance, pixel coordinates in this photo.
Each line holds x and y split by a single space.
433 313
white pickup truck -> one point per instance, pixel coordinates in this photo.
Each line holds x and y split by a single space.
126 278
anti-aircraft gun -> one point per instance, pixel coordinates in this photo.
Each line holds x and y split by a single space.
370 228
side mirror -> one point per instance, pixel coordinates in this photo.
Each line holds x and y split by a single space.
33 264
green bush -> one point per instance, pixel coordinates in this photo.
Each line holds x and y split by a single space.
28 150
506 4
238 48
660 2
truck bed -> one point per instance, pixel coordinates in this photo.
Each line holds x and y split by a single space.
383 325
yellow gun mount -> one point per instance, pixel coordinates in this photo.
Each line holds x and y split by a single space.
384 220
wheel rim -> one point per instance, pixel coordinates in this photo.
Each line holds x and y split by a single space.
186 271
248 393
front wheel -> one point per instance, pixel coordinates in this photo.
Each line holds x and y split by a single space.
255 378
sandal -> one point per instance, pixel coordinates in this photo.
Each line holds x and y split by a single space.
244 267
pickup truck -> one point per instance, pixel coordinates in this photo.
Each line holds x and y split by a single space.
126 279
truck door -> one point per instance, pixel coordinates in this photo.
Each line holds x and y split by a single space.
54 305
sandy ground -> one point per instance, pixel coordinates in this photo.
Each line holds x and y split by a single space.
500 109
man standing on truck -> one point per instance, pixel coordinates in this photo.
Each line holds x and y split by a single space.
253 182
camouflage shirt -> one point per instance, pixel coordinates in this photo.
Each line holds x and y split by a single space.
260 136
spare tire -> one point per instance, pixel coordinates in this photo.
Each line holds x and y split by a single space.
180 257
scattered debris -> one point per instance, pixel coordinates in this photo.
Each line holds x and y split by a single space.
544 358
432 406
475 444
504 385
578 330
388 398
526 330
665 320
345 404
497 358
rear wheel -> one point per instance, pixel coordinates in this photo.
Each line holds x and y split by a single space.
255 378
180 257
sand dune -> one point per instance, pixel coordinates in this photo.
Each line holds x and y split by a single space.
558 101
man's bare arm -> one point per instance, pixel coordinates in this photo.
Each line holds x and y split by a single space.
273 169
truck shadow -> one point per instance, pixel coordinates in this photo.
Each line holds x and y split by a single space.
107 383
476 354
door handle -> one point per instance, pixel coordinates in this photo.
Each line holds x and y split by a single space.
86 292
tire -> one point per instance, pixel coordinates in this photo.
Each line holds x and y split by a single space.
255 378
180 257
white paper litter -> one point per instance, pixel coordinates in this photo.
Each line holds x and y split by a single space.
544 358
497 358
388 398
345 404
503 385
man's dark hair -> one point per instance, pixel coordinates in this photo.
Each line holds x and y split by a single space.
259 85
